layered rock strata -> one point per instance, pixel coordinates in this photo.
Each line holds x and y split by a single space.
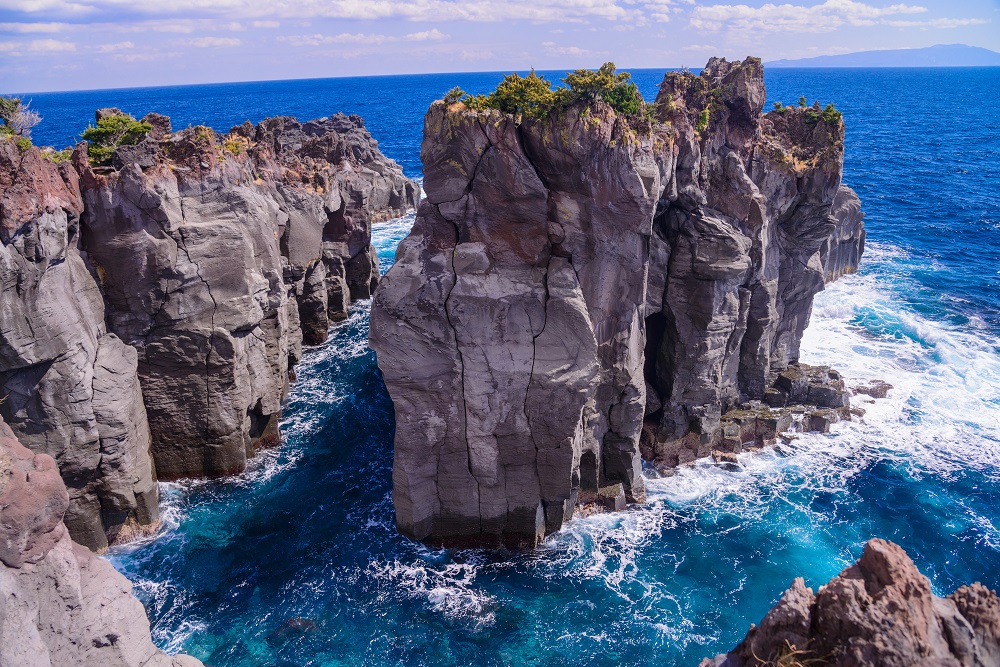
60 604
880 611
153 309
578 288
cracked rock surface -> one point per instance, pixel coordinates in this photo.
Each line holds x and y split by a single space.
880 611
152 310
59 603
581 288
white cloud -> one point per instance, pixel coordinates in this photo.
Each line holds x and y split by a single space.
824 17
419 10
7 46
211 42
266 24
434 35
936 23
553 49
34 27
50 46
111 48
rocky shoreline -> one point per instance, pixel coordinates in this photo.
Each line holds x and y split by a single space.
880 611
59 603
587 288
154 305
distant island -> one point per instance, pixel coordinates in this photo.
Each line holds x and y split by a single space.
940 55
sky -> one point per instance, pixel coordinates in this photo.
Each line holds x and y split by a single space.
85 44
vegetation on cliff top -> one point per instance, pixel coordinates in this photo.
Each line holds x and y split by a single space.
18 120
533 95
110 133
828 114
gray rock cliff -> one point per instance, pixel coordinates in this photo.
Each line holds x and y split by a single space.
153 309
67 384
60 604
582 288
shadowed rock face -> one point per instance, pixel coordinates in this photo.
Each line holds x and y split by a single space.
879 611
574 283
156 307
60 604
68 385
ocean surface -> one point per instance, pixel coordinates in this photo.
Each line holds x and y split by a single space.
307 532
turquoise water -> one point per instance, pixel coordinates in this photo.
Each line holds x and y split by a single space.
307 532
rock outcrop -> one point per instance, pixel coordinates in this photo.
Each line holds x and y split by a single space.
60 604
153 308
67 384
580 288
880 611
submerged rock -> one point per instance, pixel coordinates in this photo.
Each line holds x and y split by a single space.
60 604
152 310
580 288
880 611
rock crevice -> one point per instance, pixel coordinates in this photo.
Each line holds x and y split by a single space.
601 288
152 311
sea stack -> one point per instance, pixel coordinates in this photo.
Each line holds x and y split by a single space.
155 300
586 286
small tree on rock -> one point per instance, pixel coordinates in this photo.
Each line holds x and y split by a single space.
17 118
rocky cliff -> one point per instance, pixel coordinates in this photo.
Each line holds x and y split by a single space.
583 286
880 611
153 308
60 604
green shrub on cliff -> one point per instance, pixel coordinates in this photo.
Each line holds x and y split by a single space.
831 114
534 96
703 119
110 133
454 95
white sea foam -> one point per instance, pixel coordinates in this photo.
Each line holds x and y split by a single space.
448 589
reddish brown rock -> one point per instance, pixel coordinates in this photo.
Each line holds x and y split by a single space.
880 611
59 603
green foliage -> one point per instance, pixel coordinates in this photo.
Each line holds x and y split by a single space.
453 95
24 143
233 147
778 106
110 133
9 106
703 119
59 156
533 95
802 102
831 114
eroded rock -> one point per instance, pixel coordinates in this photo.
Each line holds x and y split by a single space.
573 283
879 611
60 604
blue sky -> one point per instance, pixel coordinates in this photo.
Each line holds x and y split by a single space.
77 44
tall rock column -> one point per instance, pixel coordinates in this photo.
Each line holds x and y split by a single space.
68 387
510 330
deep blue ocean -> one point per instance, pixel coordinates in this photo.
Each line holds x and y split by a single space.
307 532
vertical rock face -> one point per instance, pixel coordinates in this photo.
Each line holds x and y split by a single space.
509 331
66 383
60 604
218 255
580 287
879 611
156 306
